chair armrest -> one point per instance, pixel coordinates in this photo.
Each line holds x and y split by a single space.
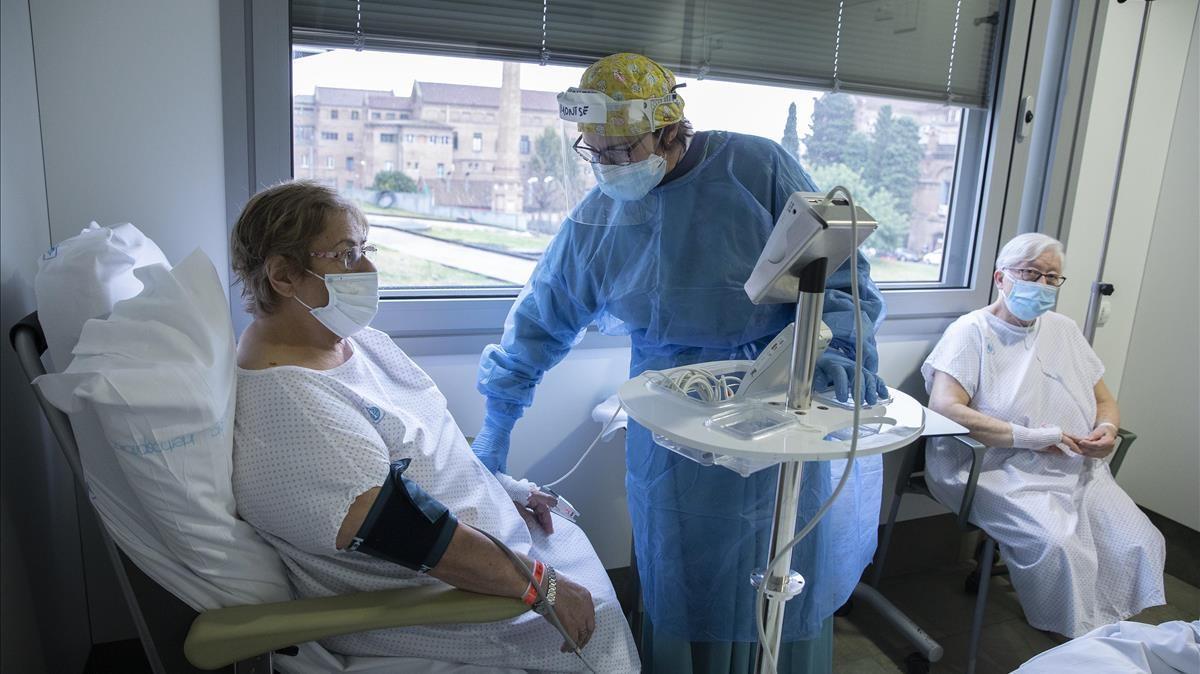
1125 439
223 636
977 450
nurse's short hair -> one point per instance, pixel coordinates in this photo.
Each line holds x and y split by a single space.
1027 248
282 220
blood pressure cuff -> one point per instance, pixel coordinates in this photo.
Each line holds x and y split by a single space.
406 525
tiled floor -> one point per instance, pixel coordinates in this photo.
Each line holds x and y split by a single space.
936 600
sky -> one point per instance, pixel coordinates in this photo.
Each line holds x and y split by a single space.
709 104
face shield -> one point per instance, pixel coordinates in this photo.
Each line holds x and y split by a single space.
624 196
596 112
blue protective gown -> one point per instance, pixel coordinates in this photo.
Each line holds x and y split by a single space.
674 284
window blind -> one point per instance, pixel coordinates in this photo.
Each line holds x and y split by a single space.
936 50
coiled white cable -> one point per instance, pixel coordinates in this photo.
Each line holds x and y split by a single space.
707 386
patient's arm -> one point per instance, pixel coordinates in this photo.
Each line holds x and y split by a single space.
949 398
1107 411
473 562
1103 438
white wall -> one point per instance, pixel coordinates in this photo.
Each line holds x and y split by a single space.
1158 460
1162 369
1163 60
131 115
41 580
112 111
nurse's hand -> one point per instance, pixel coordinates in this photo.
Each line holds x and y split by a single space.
491 446
576 611
836 370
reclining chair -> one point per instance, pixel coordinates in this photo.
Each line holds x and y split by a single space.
243 639
911 480
179 636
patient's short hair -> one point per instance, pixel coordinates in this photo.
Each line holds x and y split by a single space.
282 220
1027 248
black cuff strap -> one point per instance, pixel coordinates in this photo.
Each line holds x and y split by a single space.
406 525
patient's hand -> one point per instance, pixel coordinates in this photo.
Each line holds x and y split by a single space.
576 611
537 511
1098 444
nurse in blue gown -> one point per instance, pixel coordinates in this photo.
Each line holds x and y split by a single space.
659 251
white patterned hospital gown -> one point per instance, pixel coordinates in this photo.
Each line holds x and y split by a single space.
1079 551
308 442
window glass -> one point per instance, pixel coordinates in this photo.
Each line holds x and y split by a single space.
451 216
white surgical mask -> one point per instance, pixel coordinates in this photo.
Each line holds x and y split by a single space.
630 182
353 302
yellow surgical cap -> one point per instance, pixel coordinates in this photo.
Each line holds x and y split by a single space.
626 77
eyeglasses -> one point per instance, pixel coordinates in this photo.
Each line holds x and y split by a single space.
1033 276
612 156
351 256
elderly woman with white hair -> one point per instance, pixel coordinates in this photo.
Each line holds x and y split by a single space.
1027 384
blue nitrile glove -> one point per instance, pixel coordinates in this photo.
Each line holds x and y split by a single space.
836 370
491 444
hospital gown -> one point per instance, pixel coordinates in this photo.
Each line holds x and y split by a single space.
308 442
1125 648
1079 552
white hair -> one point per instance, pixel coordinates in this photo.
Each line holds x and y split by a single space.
1027 248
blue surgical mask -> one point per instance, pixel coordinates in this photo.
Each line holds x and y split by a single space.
1028 300
630 182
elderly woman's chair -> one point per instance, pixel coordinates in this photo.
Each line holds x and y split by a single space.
911 480
240 639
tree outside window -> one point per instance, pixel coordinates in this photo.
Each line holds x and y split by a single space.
880 168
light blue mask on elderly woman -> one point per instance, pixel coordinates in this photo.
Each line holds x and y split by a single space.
1028 300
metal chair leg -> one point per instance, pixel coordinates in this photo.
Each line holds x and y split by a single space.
986 559
256 665
882 550
906 469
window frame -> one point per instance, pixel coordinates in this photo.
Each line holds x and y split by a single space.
990 161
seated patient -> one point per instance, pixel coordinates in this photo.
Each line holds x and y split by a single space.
1029 386
329 409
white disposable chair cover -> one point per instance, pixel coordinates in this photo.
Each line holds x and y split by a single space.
129 428
160 375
